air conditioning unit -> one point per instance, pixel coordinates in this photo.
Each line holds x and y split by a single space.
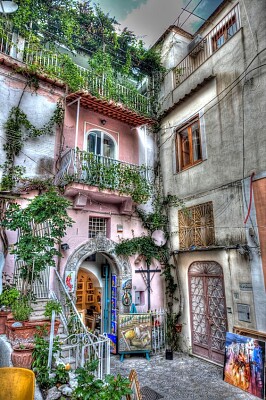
195 46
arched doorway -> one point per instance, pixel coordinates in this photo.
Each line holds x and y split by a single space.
97 286
207 310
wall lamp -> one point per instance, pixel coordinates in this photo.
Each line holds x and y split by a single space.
65 246
103 121
8 7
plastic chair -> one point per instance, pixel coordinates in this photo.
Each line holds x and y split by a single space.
16 384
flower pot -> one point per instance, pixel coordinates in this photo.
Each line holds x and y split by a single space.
168 354
23 332
22 357
3 318
178 328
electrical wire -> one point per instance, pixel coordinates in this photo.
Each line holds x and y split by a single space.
217 96
191 14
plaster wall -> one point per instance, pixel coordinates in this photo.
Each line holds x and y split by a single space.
236 270
39 106
124 136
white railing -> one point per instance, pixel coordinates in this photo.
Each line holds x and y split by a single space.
83 167
51 63
159 324
225 29
79 342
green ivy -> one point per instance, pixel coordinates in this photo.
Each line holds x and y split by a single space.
114 176
35 250
18 129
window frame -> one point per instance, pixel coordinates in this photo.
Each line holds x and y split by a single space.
223 31
178 145
107 226
103 133
192 222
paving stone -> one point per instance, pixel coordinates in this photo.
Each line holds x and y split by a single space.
183 378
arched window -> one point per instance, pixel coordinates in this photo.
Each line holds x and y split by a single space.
100 143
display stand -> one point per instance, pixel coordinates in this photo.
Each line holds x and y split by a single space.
147 354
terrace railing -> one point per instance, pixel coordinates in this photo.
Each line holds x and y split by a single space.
52 63
204 49
103 172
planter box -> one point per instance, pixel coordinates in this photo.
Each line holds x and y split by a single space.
26 332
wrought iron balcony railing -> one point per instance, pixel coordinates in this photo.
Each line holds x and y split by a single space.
105 173
54 64
203 50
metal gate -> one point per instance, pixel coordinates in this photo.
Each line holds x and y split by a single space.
207 310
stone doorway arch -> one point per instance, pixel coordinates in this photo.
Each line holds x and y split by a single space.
105 246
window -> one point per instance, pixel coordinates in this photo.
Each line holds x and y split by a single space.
188 145
101 144
97 225
196 226
224 33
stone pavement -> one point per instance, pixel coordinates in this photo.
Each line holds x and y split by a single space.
183 378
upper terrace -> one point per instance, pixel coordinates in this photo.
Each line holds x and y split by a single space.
114 95
194 64
202 48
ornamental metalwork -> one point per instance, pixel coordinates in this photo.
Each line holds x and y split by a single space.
196 226
208 310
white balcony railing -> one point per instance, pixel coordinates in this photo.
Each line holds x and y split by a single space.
105 173
51 63
214 40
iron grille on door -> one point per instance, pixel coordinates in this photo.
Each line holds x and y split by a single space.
196 226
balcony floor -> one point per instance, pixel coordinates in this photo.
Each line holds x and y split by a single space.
109 108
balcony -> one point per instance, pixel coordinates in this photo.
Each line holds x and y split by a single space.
208 45
53 65
106 179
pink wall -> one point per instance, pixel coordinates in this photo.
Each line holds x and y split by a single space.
125 137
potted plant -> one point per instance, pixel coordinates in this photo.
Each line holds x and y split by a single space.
21 355
7 298
16 328
172 335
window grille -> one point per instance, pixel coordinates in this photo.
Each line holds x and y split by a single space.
196 226
97 225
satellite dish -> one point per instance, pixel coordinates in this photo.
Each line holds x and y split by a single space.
8 7
158 238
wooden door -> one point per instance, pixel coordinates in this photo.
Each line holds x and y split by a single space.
207 310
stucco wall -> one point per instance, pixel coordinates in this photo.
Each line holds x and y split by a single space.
38 154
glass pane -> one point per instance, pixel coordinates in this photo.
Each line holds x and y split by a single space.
91 142
108 147
185 159
231 30
94 142
220 41
196 142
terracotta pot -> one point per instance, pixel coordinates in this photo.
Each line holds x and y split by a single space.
26 332
3 318
22 357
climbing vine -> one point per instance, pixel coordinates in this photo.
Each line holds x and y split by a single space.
114 176
144 245
18 129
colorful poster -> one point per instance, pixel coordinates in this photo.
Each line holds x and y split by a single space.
70 280
244 363
113 343
134 332
113 306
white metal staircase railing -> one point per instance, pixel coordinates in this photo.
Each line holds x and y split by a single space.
81 343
